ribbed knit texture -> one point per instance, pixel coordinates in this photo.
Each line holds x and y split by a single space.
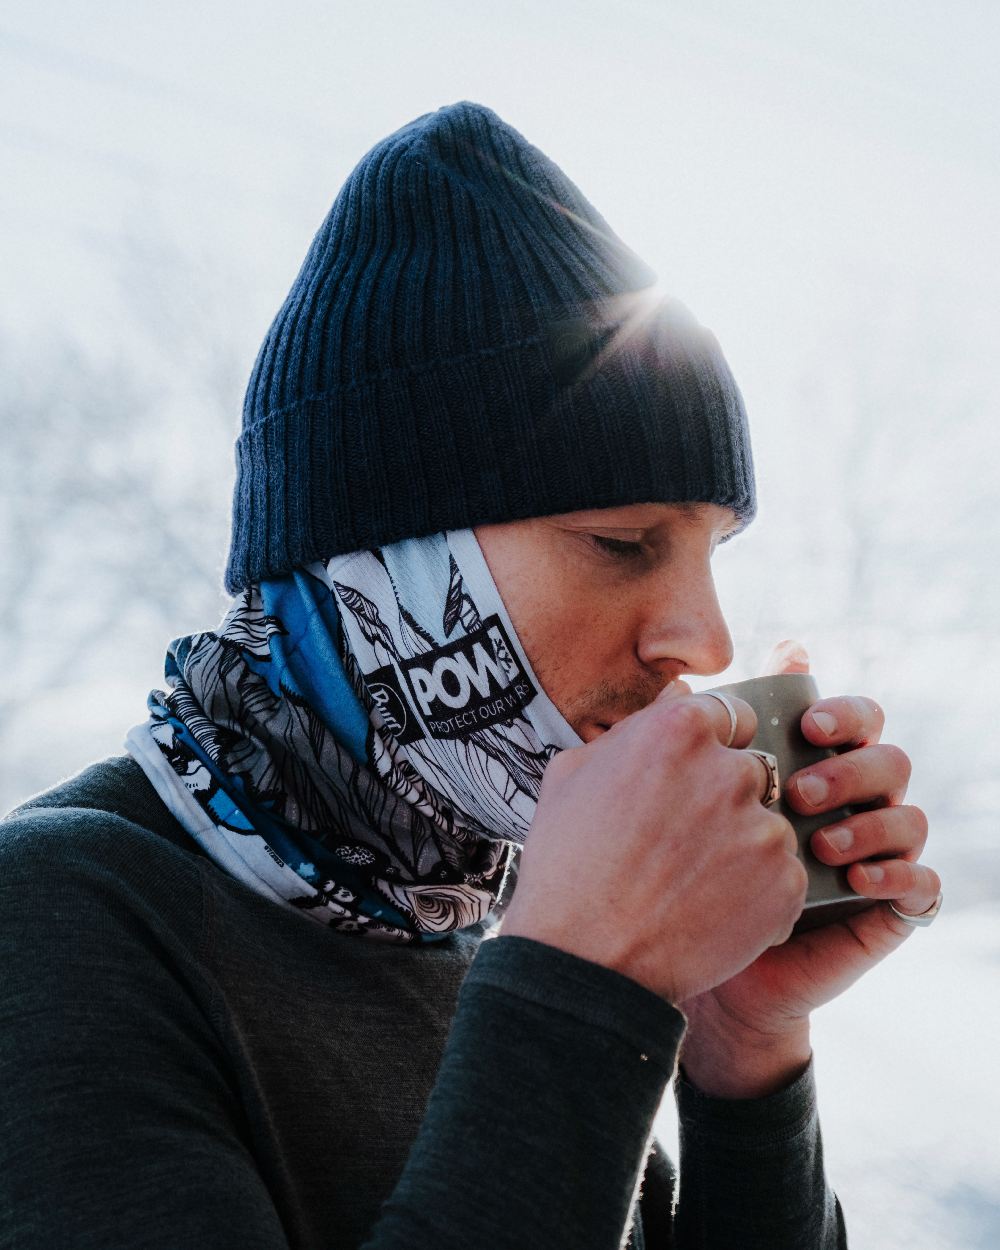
463 345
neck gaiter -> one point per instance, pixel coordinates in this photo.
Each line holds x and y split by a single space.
362 740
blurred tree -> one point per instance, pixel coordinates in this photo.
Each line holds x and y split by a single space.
115 487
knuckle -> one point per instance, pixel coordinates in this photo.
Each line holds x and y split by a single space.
848 713
845 770
898 760
561 764
686 720
916 827
869 717
906 877
798 881
854 714
749 775
777 834
789 930
746 715
783 832
876 830
899 829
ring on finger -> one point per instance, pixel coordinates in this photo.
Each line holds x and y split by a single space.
924 918
772 784
714 694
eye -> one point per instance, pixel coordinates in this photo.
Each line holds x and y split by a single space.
616 547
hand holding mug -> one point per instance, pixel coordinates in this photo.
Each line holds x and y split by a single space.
651 853
856 787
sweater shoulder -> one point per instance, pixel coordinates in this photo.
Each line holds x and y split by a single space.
108 825
113 786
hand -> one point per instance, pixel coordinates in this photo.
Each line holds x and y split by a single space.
768 1003
643 837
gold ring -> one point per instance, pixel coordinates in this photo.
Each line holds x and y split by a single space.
772 786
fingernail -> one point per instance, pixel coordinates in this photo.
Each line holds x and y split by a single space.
791 650
813 789
873 874
825 723
839 838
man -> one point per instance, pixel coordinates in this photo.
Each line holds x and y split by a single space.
247 998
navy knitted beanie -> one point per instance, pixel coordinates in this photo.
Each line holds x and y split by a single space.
467 342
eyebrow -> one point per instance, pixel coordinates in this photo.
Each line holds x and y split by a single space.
690 514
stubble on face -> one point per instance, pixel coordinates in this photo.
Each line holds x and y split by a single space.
607 701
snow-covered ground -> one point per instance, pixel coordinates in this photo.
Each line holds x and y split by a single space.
906 1067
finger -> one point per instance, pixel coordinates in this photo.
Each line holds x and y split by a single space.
875 930
746 717
769 780
912 888
671 692
674 689
848 720
787 657
895 832
876 774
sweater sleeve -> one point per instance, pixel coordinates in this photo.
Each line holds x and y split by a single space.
751 1172
540 1121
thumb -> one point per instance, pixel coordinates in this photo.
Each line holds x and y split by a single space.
787 657
673 690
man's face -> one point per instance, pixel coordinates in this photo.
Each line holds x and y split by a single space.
612 604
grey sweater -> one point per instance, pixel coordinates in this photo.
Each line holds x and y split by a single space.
185 1063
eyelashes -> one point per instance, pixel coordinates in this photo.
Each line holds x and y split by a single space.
617 547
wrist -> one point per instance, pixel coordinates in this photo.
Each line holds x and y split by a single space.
727 1061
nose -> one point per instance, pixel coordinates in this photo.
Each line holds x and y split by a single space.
687 627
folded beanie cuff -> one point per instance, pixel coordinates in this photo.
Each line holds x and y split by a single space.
498 434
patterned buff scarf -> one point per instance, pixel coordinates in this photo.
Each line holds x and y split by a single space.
362 741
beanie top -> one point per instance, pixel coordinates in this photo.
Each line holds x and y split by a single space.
468 342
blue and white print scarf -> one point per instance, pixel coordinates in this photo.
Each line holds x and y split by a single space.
362 740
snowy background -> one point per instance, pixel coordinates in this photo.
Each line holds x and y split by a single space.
819 183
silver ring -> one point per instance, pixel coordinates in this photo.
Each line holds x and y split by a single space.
924 918
714 694
772 787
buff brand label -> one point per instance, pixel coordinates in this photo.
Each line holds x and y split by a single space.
397 715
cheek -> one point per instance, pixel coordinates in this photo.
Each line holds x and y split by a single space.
572 643
538 608
573 628
542 625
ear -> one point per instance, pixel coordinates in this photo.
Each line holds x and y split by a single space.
787 657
